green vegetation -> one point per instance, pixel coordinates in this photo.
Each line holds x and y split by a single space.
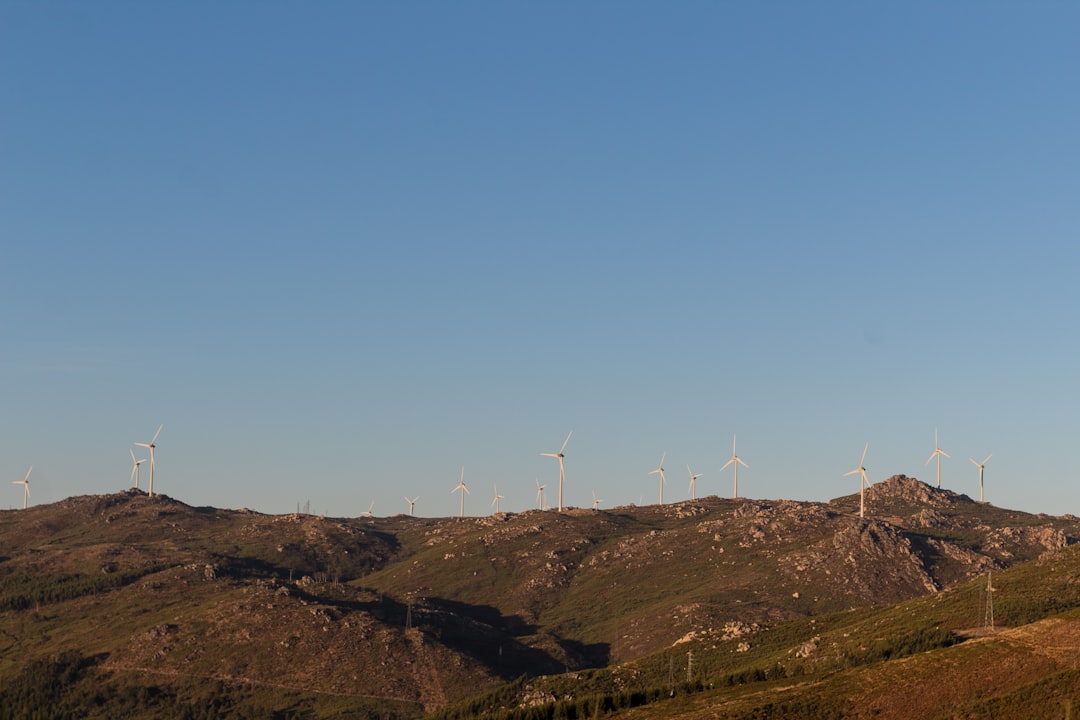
23 592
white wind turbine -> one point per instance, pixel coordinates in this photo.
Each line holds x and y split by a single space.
539 495
150 446
25 482
862 481
368 512
498 497
135 468
560 456
461 487
693 482
412 504
981 465
596 501
938 453
737 461
660 470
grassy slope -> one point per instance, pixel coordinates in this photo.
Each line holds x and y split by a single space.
871 662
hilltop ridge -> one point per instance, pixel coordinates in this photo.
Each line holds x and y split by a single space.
404 615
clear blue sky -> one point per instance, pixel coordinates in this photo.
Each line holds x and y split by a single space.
343 249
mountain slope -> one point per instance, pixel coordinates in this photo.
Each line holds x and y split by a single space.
309 617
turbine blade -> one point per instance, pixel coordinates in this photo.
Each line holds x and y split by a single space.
739 460
727 463
566 441
987 458
865 448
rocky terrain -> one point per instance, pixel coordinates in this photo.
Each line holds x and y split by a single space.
176 609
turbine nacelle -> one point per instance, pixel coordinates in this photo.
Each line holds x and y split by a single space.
736 461
562 470
863 484
150 446
938 453
25 482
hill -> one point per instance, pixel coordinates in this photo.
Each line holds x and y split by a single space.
130 605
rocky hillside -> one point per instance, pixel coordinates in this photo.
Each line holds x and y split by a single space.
178 610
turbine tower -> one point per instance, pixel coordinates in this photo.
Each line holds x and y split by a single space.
938 452
539 495
981 465
461 487
412 504
498 497
135 468
862 481
660 470
693 482
150 446
25 482
736 461
560 456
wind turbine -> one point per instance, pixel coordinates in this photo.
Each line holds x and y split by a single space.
461 486
660 469
737 461
25 482
981 465
498 497
150 446
938 452
135 468
862 482
560 456
539 495
368 513
693 482
596 501
412 504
